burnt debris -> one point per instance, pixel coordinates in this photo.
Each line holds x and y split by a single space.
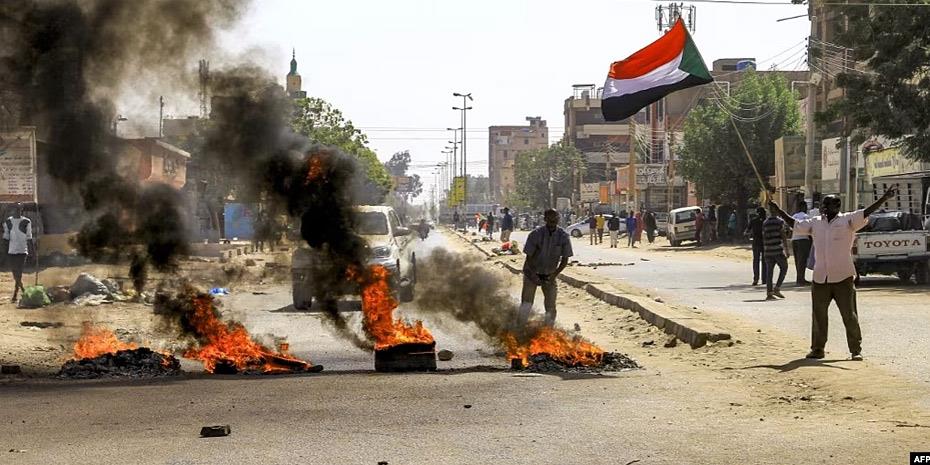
134 363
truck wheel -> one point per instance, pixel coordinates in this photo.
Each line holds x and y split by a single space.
674 242
923 273
905 276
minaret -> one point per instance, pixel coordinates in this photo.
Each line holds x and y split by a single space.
293 79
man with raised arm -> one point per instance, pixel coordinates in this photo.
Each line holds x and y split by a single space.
833 234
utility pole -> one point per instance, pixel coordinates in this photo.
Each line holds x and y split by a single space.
811 110
464 108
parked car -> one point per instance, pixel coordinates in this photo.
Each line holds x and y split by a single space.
581 229
681 225
390 244
662 223
894 243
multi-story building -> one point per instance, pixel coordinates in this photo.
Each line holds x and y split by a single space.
504 144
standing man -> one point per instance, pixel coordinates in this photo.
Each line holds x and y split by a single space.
547 250
490 225
651 225
592 228
833 234
455 219
613 227
773 235
801 244
631 225
712 223
699 227
506 225
754 230
600 222
17 232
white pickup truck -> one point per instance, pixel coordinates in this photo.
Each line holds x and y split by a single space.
894 243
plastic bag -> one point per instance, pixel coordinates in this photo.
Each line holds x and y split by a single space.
34 297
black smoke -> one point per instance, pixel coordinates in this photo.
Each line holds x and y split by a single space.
250 134
62 65
462 287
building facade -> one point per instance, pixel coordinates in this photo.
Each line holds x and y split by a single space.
504 144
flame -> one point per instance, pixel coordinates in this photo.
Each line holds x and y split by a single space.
98 340
572 351
378 307
231 343
314 168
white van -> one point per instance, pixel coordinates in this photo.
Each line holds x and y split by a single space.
681 225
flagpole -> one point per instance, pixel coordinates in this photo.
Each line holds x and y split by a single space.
748 155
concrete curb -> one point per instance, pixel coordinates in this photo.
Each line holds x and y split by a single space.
687 328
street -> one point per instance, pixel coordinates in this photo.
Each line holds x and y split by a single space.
892 315
717 404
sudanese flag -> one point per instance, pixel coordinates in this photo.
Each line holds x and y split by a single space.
669 64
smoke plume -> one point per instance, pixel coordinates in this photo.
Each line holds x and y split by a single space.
462 287
62 65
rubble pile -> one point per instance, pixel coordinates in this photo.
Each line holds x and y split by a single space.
611 361
133 363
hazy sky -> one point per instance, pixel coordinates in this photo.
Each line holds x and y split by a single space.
391 66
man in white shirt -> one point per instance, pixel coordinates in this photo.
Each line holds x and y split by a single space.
17 232
801 246
833 234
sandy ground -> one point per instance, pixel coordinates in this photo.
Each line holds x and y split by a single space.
749 402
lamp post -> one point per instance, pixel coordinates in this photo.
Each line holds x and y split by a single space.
464 108
116 121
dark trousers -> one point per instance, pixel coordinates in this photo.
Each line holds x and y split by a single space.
844 294
17 263
650 234
770 262
757 262
802 251
550 291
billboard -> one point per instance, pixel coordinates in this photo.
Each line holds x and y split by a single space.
590 192
457 197
889 162
18 165
651 175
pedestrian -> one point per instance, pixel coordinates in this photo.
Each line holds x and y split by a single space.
631 229
754 231
547 251
638 231
650 224
490 225
600 222
833 234
478 222
506 225
732 225
455 219
698 227
592 229
17 232
773 243
712 223
613 227
801 245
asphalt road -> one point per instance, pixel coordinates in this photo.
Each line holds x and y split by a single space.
894 317
667 413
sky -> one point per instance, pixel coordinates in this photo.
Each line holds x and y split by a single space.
392 66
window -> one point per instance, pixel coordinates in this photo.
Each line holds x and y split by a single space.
526 142
169 166
370 224
505 154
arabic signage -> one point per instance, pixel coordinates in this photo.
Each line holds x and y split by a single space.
651 175
590 191
18 165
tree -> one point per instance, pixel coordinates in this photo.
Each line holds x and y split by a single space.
764 109
322 123
479 189
889 95
534 169
398 166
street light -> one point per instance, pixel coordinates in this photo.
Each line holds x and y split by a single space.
454 142
466 97
116 121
